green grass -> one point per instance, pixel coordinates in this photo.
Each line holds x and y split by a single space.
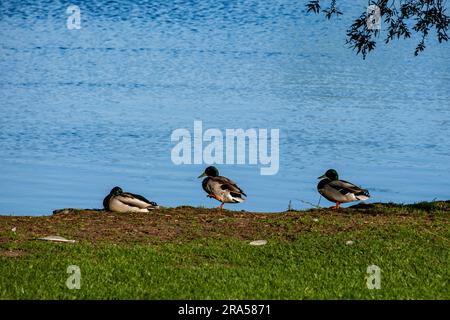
414 261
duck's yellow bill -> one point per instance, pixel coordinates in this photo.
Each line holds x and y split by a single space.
202 175
322 176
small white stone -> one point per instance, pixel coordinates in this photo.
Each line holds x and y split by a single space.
258 242
14 229
316 220
349 242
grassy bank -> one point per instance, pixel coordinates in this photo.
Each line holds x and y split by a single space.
193 253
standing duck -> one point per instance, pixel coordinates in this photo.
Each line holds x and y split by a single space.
220 188
339 191
119 201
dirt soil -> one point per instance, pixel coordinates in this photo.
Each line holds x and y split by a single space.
185 223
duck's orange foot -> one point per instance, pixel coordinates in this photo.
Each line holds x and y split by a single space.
337 206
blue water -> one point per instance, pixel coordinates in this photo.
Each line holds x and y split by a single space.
85 110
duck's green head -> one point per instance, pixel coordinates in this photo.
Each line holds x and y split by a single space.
330 174
210 172
116 191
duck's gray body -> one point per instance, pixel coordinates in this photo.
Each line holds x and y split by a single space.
128 202
224 189
341 191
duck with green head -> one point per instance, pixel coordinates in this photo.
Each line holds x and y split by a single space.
220 188
339 191
119 201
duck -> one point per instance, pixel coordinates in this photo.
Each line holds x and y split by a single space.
122 202
339 191
220 188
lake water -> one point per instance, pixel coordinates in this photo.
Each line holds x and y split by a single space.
85 110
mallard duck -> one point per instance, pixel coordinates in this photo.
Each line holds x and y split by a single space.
220 188
339 191
119 201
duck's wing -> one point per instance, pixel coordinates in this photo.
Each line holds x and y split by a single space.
134 200
228 184
345 188
139 197
224 189
219 185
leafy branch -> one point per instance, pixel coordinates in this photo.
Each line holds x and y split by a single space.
401 18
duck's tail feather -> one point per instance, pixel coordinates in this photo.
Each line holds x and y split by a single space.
362 195
152 206
237 197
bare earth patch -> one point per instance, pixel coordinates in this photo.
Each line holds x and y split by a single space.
185 223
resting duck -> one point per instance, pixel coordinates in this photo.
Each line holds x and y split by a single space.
119 201
220 188
339 191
